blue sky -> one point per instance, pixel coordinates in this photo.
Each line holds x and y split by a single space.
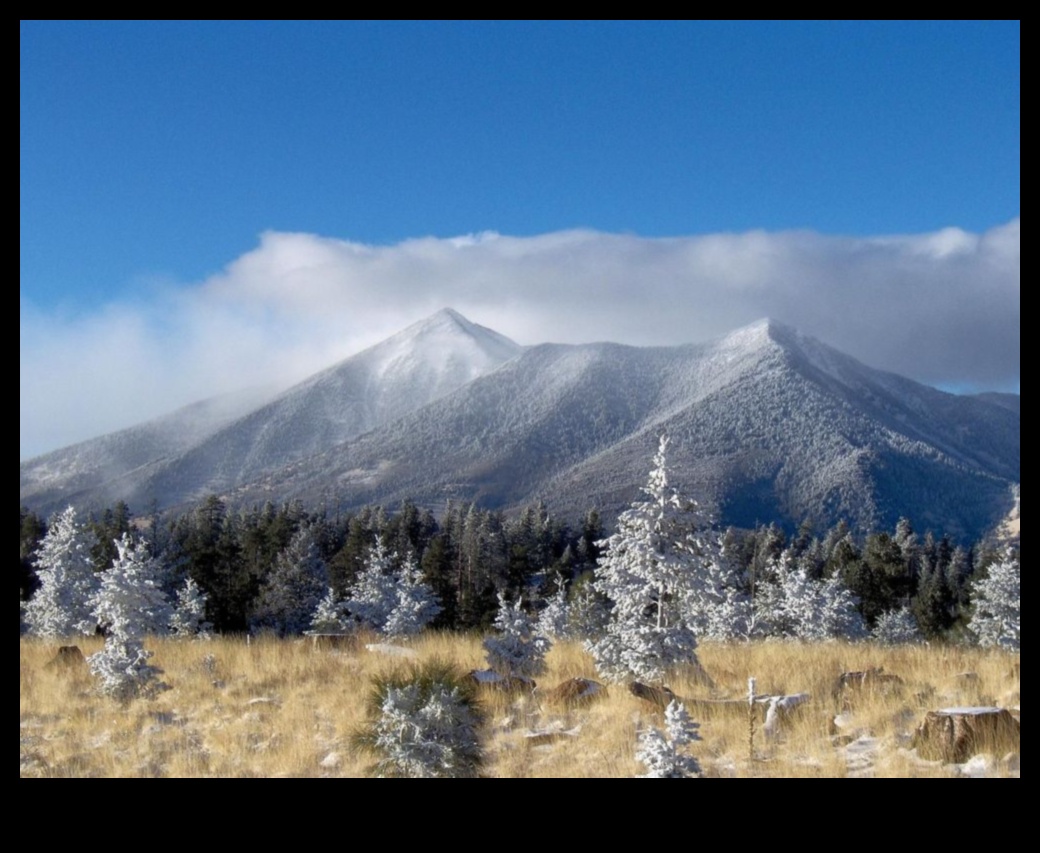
176 178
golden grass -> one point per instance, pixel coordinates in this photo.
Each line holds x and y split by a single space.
287 708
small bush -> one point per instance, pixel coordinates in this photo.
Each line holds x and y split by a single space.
423 722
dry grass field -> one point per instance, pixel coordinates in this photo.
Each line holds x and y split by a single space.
287 708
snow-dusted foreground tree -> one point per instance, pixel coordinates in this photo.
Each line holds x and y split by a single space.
648 570
997 620
663 753
61 606
416 603
516 650
129 604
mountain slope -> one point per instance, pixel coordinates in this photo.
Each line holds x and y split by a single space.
766 425
408 370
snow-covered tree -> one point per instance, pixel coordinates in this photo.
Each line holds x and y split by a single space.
648 570
294 587
417 604
129 605
791 604
372 597
716 607
330 616
516 650
60 607
663 753
997 599
554 619
189 612
896 627
423 723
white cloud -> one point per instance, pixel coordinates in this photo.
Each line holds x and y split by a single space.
942 308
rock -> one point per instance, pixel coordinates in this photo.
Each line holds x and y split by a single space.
506 683
658 696
68 658
872 680
574 692
955 734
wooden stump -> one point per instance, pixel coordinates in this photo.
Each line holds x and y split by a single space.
955 734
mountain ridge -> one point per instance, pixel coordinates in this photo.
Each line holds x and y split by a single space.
766 424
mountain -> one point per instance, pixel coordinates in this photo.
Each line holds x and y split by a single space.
78 472
408 370
766 425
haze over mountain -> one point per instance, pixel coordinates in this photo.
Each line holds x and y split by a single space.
766 424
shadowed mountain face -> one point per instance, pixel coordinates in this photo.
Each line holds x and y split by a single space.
765 424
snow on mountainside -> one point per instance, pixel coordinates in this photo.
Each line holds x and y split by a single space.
89 464
766 424
408 370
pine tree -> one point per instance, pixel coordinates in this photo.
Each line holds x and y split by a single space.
189 613
662 752
516 651
292 591
60 607
330 616
373 596
554 619
129 604
416 605
997 620
647 570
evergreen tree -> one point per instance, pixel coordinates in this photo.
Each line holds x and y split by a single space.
129 604
646 571
997 619
662 752
373 596
61 606
292 591
517 650
189 613
330 616
416 605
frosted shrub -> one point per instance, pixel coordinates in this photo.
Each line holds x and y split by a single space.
662 752
896 627
416 603
423 723
330 616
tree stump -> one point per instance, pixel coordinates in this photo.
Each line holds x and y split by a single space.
955 734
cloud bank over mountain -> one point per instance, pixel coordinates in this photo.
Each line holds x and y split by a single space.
942 308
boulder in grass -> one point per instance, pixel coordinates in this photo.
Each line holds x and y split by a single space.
506 683
956 734
68 659
574 692
660 697
871 680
